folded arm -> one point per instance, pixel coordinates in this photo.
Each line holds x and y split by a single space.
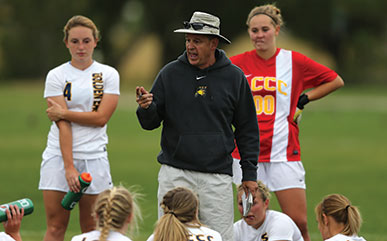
94 118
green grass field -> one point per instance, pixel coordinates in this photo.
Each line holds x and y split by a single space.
343 138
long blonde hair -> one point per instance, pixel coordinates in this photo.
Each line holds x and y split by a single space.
342 211
113 207
180 206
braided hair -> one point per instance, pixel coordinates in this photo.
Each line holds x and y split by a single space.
112 209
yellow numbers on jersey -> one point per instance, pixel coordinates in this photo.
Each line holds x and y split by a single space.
264 104
200 237
67 91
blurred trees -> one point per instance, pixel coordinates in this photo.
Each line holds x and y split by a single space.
31 35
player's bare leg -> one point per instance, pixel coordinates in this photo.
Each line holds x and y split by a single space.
86 220
293 203
57 217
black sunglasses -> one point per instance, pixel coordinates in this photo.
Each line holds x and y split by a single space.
197 26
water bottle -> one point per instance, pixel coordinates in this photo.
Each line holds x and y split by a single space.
71 198
25 203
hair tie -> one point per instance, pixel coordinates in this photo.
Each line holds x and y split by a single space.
171 212
274 20
346 208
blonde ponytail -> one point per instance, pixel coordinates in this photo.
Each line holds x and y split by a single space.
180 206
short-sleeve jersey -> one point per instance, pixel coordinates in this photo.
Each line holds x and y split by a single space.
83 91
94 235
276 85
198 234
342 237
277 226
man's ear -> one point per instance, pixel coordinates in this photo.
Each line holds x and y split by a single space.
214 43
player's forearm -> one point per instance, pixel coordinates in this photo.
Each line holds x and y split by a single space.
66 143
85 118
93 118
324 89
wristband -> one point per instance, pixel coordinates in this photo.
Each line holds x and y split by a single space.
302 101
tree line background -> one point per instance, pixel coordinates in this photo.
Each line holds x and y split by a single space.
353 32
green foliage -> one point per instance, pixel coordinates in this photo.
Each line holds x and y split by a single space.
343 150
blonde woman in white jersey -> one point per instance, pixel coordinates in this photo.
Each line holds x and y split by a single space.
116 211
82 95
338 219
260 223
180 221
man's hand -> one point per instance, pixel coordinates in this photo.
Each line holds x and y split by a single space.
143 97
250 185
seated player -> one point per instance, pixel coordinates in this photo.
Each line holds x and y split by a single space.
338 219
260 223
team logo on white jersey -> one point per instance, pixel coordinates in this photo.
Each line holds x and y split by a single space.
97 90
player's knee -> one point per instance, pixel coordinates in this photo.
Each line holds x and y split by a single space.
56 230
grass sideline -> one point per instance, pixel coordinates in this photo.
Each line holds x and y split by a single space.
343 139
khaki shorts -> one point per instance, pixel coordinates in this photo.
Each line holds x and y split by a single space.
52 174
276 176
215 193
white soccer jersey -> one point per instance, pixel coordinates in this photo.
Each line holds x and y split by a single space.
94 235
198 234
83 91
342 237
5 237
277 226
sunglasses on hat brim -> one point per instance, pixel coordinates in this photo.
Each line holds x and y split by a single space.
197 26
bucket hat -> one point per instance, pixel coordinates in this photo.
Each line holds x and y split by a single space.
203 23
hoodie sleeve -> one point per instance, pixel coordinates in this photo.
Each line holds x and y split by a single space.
151 117
246 132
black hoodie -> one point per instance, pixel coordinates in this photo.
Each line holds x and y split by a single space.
198 109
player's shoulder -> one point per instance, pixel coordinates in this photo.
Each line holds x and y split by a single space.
60 68
297 57
278 217
342 237
86 236
59 71
239 58
103 67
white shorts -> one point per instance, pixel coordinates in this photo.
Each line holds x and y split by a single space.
276 176
52 174
215 193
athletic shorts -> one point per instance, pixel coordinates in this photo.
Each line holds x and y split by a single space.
276 176
215 193
52 173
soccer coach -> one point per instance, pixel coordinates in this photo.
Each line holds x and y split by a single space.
199 98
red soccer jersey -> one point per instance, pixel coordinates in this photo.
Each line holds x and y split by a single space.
276 85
